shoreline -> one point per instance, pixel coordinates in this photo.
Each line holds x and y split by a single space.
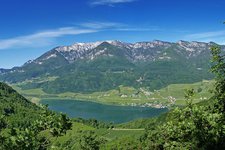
37 100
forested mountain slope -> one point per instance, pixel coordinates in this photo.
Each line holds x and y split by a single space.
102 66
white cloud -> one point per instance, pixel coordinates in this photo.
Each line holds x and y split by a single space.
41 38
138 29
206 34
49 37
109 2
214 36
102 25
115 26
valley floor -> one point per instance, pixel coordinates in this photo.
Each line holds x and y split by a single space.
172 95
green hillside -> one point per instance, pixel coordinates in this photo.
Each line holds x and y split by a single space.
22 123
105 74
19 110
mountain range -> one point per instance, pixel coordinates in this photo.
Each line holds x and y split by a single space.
105 65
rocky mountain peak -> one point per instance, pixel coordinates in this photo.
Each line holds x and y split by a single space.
147 45
79 47
140 51
193 46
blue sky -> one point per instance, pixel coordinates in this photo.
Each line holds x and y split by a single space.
29 28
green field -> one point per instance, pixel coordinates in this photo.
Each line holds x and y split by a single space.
165 97
72 138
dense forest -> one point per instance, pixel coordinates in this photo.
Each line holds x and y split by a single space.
26 126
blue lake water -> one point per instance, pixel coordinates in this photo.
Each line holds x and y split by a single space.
107 113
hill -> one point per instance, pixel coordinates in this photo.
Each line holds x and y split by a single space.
19 110
23 123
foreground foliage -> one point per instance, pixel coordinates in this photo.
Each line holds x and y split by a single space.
195 126
22 123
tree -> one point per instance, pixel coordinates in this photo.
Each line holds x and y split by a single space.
218 69
30 137
2 126
89 141
196 126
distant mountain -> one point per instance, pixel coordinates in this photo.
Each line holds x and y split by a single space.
3 70
100 66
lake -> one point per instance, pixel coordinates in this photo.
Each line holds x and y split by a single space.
107 113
